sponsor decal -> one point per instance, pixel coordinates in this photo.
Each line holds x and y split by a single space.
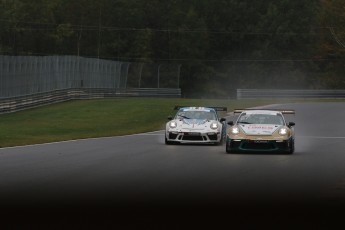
260 141
260 127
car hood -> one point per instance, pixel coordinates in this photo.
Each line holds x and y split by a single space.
259 129
193 123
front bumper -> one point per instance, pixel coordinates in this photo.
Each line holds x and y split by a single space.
193 137
246 145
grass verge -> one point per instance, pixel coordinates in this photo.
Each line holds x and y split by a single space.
101 118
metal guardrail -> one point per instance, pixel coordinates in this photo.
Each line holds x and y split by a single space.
24 75
14 104
280 93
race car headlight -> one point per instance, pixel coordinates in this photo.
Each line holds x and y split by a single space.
235 130
173 124
214 126
283 131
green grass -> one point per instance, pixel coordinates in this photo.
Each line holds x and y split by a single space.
100 118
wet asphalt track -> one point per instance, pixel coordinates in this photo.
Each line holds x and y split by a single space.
140 172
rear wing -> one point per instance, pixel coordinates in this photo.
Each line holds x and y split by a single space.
177 107
283 111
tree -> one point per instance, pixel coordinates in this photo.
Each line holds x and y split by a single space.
332 43
221 44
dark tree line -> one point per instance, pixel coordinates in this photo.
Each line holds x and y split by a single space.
221 44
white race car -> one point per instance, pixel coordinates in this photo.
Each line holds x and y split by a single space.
196 125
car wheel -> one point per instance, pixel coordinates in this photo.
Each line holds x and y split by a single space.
229 149
168 142
292 147
221 142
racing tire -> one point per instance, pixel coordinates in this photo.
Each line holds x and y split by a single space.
228 149
171 142
221 142
292 147
168 142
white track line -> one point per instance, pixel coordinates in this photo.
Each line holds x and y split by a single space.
154 133
320 137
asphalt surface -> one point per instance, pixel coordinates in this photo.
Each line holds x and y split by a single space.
140 175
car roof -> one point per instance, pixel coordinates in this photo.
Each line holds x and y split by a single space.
206 109
268 112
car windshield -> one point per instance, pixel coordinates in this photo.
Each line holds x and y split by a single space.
203 115
260 119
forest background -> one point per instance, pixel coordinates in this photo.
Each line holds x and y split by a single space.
221 45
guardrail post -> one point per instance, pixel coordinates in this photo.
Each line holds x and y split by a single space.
178 75
128 64
159 66
140 73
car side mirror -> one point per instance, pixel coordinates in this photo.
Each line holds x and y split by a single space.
222 119
231 123
170 118
291 123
